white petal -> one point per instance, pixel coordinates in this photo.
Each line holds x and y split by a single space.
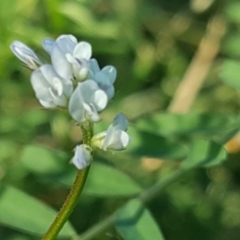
120 122
25 54
68 90
93 65
40 86
108 137
60 63
48 44
68 37
66 43
83 50
91 112
75 106
118 141
57 86
110 72
86 100
87 89
48 73
92 94
99 99
47 104
49 88
58 100
116 137
104 83
82 157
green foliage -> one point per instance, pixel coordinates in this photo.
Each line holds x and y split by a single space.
105 181
204 154
152 145
54 166
43 161
232 11
151 43
134 221
192 125
21 211
230 73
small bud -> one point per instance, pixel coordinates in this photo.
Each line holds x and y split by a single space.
115 138
82 157
25 54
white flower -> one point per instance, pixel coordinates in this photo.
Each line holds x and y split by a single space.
104 78
50 89
115 138
25 54
82 157
86 101
69 58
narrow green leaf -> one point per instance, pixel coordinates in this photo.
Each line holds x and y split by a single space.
105 181
204 154
133 221
21 211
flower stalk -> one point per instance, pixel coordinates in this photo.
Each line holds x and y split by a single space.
75 192
68 205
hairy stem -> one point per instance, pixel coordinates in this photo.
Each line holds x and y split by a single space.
68 205
75 192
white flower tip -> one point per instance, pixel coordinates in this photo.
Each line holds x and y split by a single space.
116 137
25 54
82 157
120 122
48 44
110 72
83 50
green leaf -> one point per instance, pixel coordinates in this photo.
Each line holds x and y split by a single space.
231 45
106 181
207 124
232 11
7 149
152 145
41 160
205 154
86 21
230 73
55 166
21 211
33 118
133 221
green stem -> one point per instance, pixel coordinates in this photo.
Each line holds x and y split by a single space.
75 192
68 205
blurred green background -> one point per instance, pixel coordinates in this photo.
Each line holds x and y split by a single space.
151 43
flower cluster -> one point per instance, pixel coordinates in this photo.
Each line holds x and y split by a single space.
75 81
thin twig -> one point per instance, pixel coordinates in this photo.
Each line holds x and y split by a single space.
199 67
